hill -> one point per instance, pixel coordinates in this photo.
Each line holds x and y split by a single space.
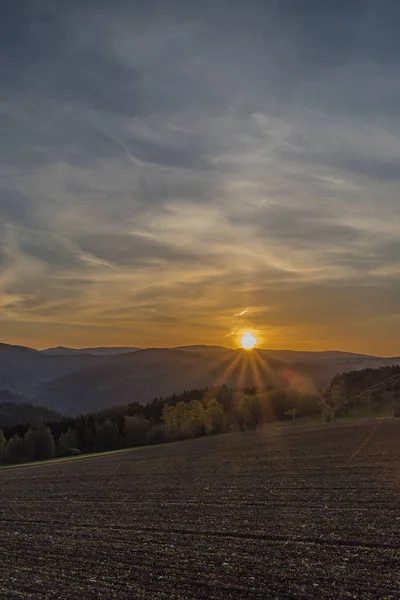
83 380
143 375
12 414
101 351
6 396
24 370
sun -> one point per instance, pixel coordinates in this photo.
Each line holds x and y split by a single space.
248 341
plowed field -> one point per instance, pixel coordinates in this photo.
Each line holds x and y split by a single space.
278 513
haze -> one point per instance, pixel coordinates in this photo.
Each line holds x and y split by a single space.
177 173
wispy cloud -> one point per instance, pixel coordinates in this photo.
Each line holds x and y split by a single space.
166 174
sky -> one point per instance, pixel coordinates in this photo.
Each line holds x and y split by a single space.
179 172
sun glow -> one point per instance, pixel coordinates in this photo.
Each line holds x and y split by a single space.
248 341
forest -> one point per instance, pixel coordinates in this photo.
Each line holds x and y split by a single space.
350 390
194 413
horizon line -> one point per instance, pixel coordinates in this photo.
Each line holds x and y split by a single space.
182 346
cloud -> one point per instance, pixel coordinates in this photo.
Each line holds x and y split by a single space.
169 176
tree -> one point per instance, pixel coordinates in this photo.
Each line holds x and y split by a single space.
251 412
67 442
107 436
135 431
184 420
14 450
156 435
176 419
182 411
45 446
195 424
30 444
168 417
88 443
214 418
39 443
3 443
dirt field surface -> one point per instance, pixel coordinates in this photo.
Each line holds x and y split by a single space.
281 513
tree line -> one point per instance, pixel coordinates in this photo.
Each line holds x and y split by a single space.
207 411
341 397
352 383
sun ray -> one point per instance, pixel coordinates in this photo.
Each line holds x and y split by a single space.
224 359
243 371
262 362
255 371
229 369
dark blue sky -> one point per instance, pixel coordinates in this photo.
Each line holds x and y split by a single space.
177 172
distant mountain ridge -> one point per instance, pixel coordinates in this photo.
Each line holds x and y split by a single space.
312 355
74 381
100 351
